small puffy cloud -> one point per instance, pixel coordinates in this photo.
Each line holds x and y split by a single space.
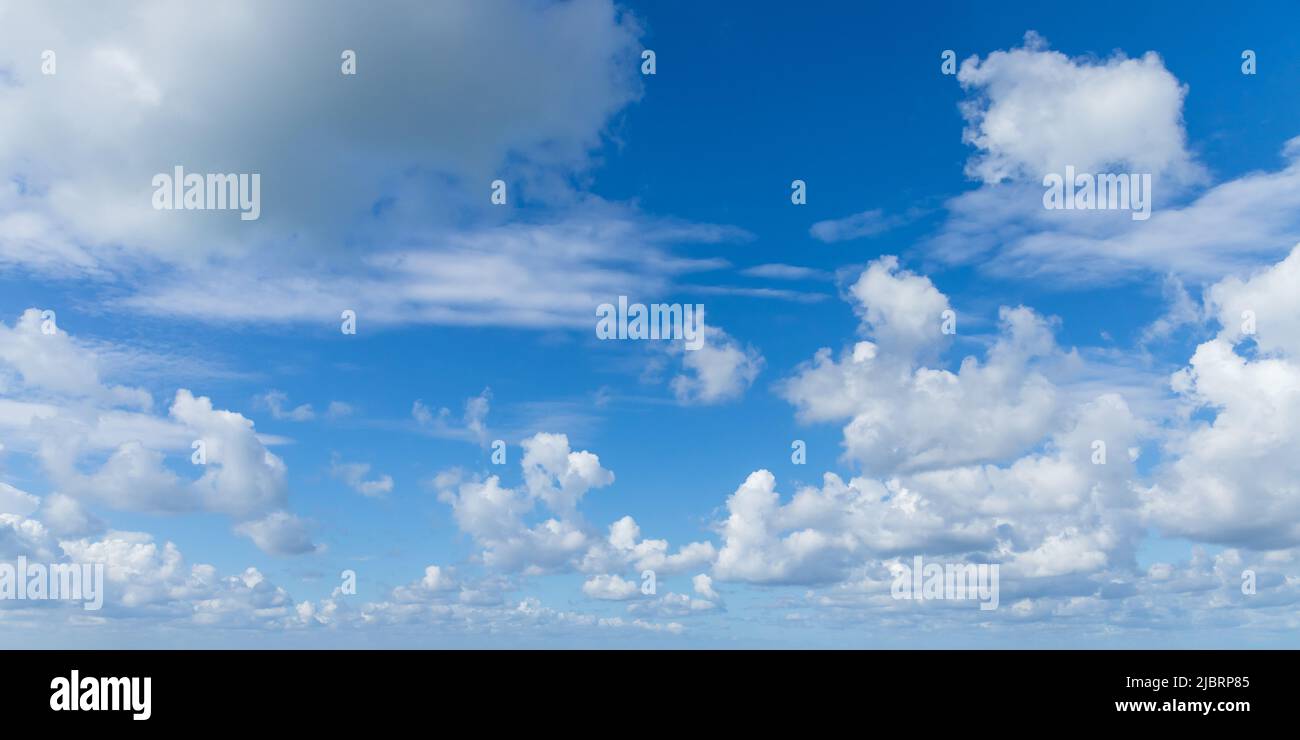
421 413
277 402
278 533
354 475
722 369
338 410
473 424
624 548
672 605
242 477
703 586
1033 111
21 536
610 588
437 583
901 310
558 476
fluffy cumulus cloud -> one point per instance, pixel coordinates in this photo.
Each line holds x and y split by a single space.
151 581
102 445
278 533
996 461
1034 111
610 587
537 528
355 476
988 464
494 514
625 548
1045 484
560 477
905 414
720 370
965 438
1054 496
1233 477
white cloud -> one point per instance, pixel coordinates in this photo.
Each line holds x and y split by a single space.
95 448
1228 227
703 586
1034 111
673 605
610 588
20 536
1232 480
722 369
477 68
494 515
779 271
45 359
516 537
903 415
992 463
241 477
145 579
866 223
278 533
901 310
276 401
624 548
354 475
66 517
1272 297
472 427
75 208
1182 311
558 476
756 550
17 501
536 275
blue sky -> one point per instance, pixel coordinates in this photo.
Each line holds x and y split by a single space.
372 452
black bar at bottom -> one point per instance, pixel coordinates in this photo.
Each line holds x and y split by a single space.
209 690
